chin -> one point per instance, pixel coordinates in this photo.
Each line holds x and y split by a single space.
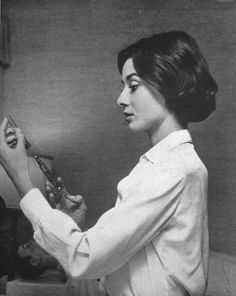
136 128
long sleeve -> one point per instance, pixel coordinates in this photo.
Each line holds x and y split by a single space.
117 236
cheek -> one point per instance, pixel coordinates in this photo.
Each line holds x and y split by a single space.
139 102
147 104
153 115
149 109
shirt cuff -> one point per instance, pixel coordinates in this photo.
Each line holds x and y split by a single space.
34 206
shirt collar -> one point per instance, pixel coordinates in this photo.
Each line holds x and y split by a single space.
167 144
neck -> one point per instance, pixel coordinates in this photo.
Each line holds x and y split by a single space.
169 125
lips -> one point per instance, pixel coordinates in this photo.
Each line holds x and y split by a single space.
128 116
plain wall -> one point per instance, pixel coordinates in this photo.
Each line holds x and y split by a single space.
63 83
1 89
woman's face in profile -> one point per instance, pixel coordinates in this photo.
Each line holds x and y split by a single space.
144 107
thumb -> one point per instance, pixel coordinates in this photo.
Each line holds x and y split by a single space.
75 198
20 137
2 131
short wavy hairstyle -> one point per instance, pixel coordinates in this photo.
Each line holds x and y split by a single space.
172 63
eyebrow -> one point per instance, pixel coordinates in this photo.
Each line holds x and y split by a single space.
128 77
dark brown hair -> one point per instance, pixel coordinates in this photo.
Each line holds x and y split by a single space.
172 63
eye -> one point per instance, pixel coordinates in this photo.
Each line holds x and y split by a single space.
133 86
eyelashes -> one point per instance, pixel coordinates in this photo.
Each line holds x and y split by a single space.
133 88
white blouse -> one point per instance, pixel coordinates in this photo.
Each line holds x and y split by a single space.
154 242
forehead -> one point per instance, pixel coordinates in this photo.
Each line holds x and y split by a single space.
128 69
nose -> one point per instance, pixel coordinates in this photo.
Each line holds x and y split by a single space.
123 99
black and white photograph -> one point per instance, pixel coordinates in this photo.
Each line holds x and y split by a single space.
117 148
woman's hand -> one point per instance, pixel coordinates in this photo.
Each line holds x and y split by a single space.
72 205
13 157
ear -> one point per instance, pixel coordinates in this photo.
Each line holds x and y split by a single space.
34 261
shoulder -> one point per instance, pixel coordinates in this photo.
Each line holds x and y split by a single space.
184 162
191 163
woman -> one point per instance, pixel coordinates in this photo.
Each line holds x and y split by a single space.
154 242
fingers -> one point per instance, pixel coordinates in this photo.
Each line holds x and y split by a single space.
62 200
77 201
9 131
51 197
51 200
50 194
48 186
59 180
11 137
51 187
3 126
60 185
7 134
54 195
75 198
